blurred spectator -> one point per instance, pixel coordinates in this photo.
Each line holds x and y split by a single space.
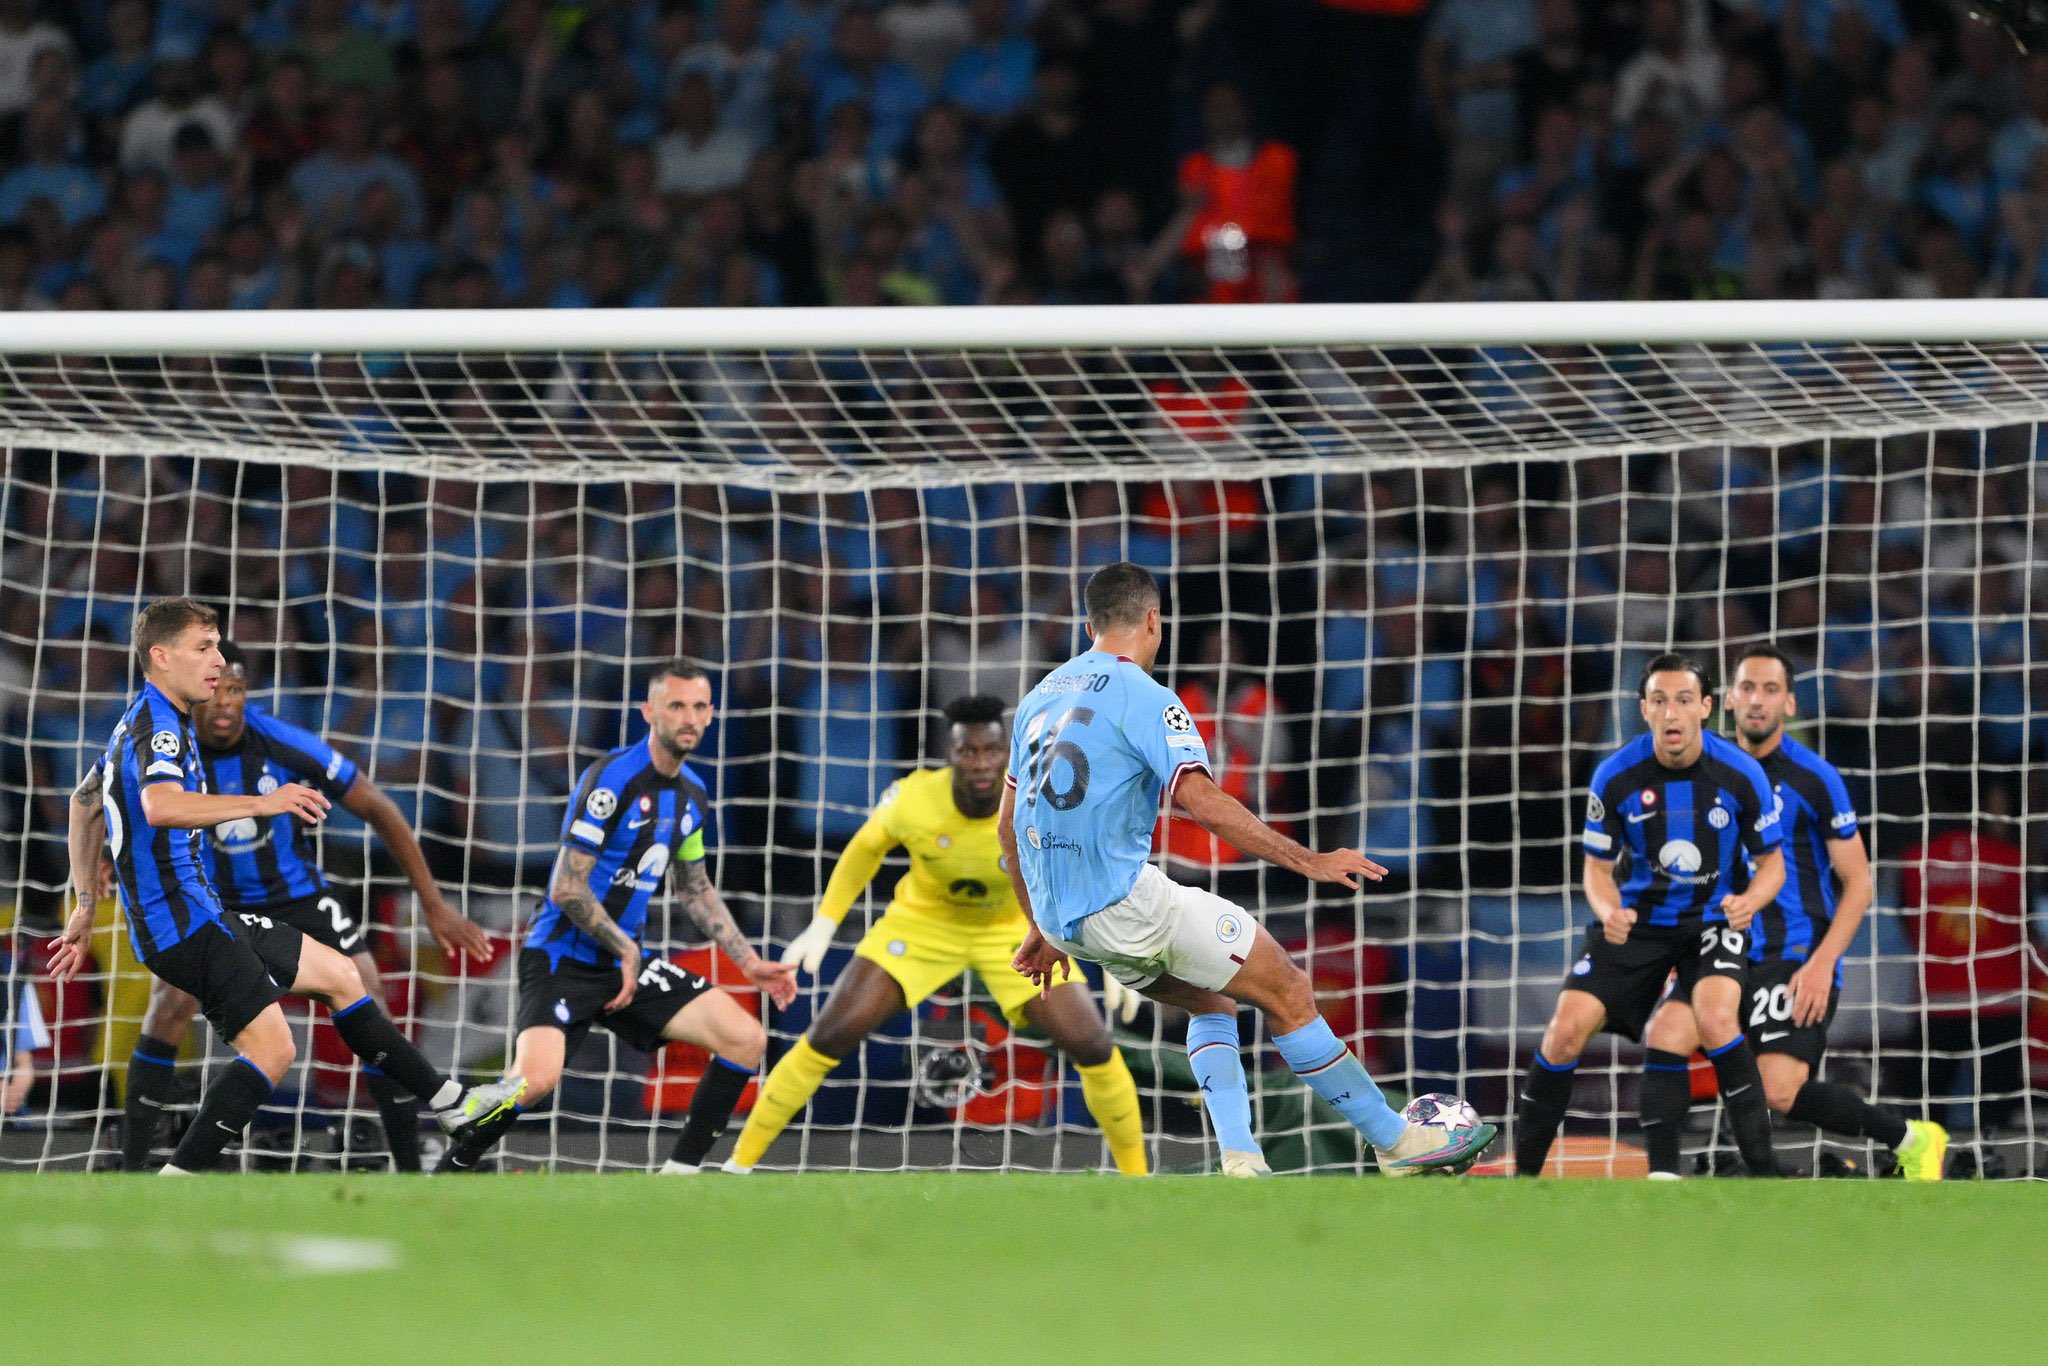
1238 200
1043 160
1470 68
697 155
23 37
48 170
330 182
741 72
925 35
1677 71
992 76
1964 893
113 82
861 69
150 132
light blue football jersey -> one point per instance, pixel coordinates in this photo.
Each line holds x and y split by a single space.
1093 746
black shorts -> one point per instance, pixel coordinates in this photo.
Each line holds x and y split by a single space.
571 996
1767 1013
327 917
234 977
1628 978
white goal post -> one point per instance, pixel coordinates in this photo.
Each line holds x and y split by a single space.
1413 554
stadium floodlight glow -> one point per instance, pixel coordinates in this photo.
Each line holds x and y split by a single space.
1417 550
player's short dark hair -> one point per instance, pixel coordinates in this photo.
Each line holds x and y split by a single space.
1675 663
1765 650
164 620
677 668
1120 595
232 654
980 709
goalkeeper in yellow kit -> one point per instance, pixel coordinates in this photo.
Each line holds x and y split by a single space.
952 911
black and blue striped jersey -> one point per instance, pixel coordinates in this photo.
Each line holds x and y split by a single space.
161 873
261 864
1682 833
1816 808
634 819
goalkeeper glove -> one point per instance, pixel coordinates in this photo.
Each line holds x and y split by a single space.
807 950
1119 1002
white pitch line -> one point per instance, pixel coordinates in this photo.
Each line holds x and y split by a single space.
286 1254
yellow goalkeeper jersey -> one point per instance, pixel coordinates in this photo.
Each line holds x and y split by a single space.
956 865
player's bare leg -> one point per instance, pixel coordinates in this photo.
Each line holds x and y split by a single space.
1666 1093
717 1022
1069 1017
1274 984
862 1000
265 1053
152 1071
331 977
1547 1090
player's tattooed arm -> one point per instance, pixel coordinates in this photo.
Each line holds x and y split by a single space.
570 888
705 906
89 794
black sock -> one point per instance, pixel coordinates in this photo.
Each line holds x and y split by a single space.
1546 1093
224 1112
152 1083
401 1116
710 1110
1666 1096
1742 1091
1839 1110
371 1036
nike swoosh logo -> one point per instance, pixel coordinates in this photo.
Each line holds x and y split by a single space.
635 825
1719 964
1638 820
225 1128
1768 1038
1736 1092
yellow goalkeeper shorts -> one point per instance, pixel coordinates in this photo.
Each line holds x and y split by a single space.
923 953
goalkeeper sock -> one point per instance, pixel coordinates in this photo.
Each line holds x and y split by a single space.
790 1085
371 1036
1335 1073
718 1091
1742 1091
1546 1093
1839 1110
1666 1096
230 1103
1212 1051
1112 1097
152 1084
401 1115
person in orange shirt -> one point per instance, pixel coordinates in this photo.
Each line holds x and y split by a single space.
1237 717
1236 222
1964 894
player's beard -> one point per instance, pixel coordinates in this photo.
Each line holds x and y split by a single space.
678 745
1759 737
973 805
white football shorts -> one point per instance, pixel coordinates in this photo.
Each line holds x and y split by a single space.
1162 928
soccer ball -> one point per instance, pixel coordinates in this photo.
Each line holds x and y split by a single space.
1449 1112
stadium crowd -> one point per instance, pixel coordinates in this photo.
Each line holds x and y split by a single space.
248 154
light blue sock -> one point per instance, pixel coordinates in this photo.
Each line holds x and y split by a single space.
1212 1049
1332 1073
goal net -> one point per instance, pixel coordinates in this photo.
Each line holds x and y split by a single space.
1414 561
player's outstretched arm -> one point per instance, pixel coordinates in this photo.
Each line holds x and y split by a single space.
1225 817
1596 876
170 806
89 873
569 888
1763 889
857 866
1815 980
701 901
1035 958
455 932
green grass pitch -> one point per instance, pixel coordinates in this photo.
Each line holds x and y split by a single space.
974 1268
